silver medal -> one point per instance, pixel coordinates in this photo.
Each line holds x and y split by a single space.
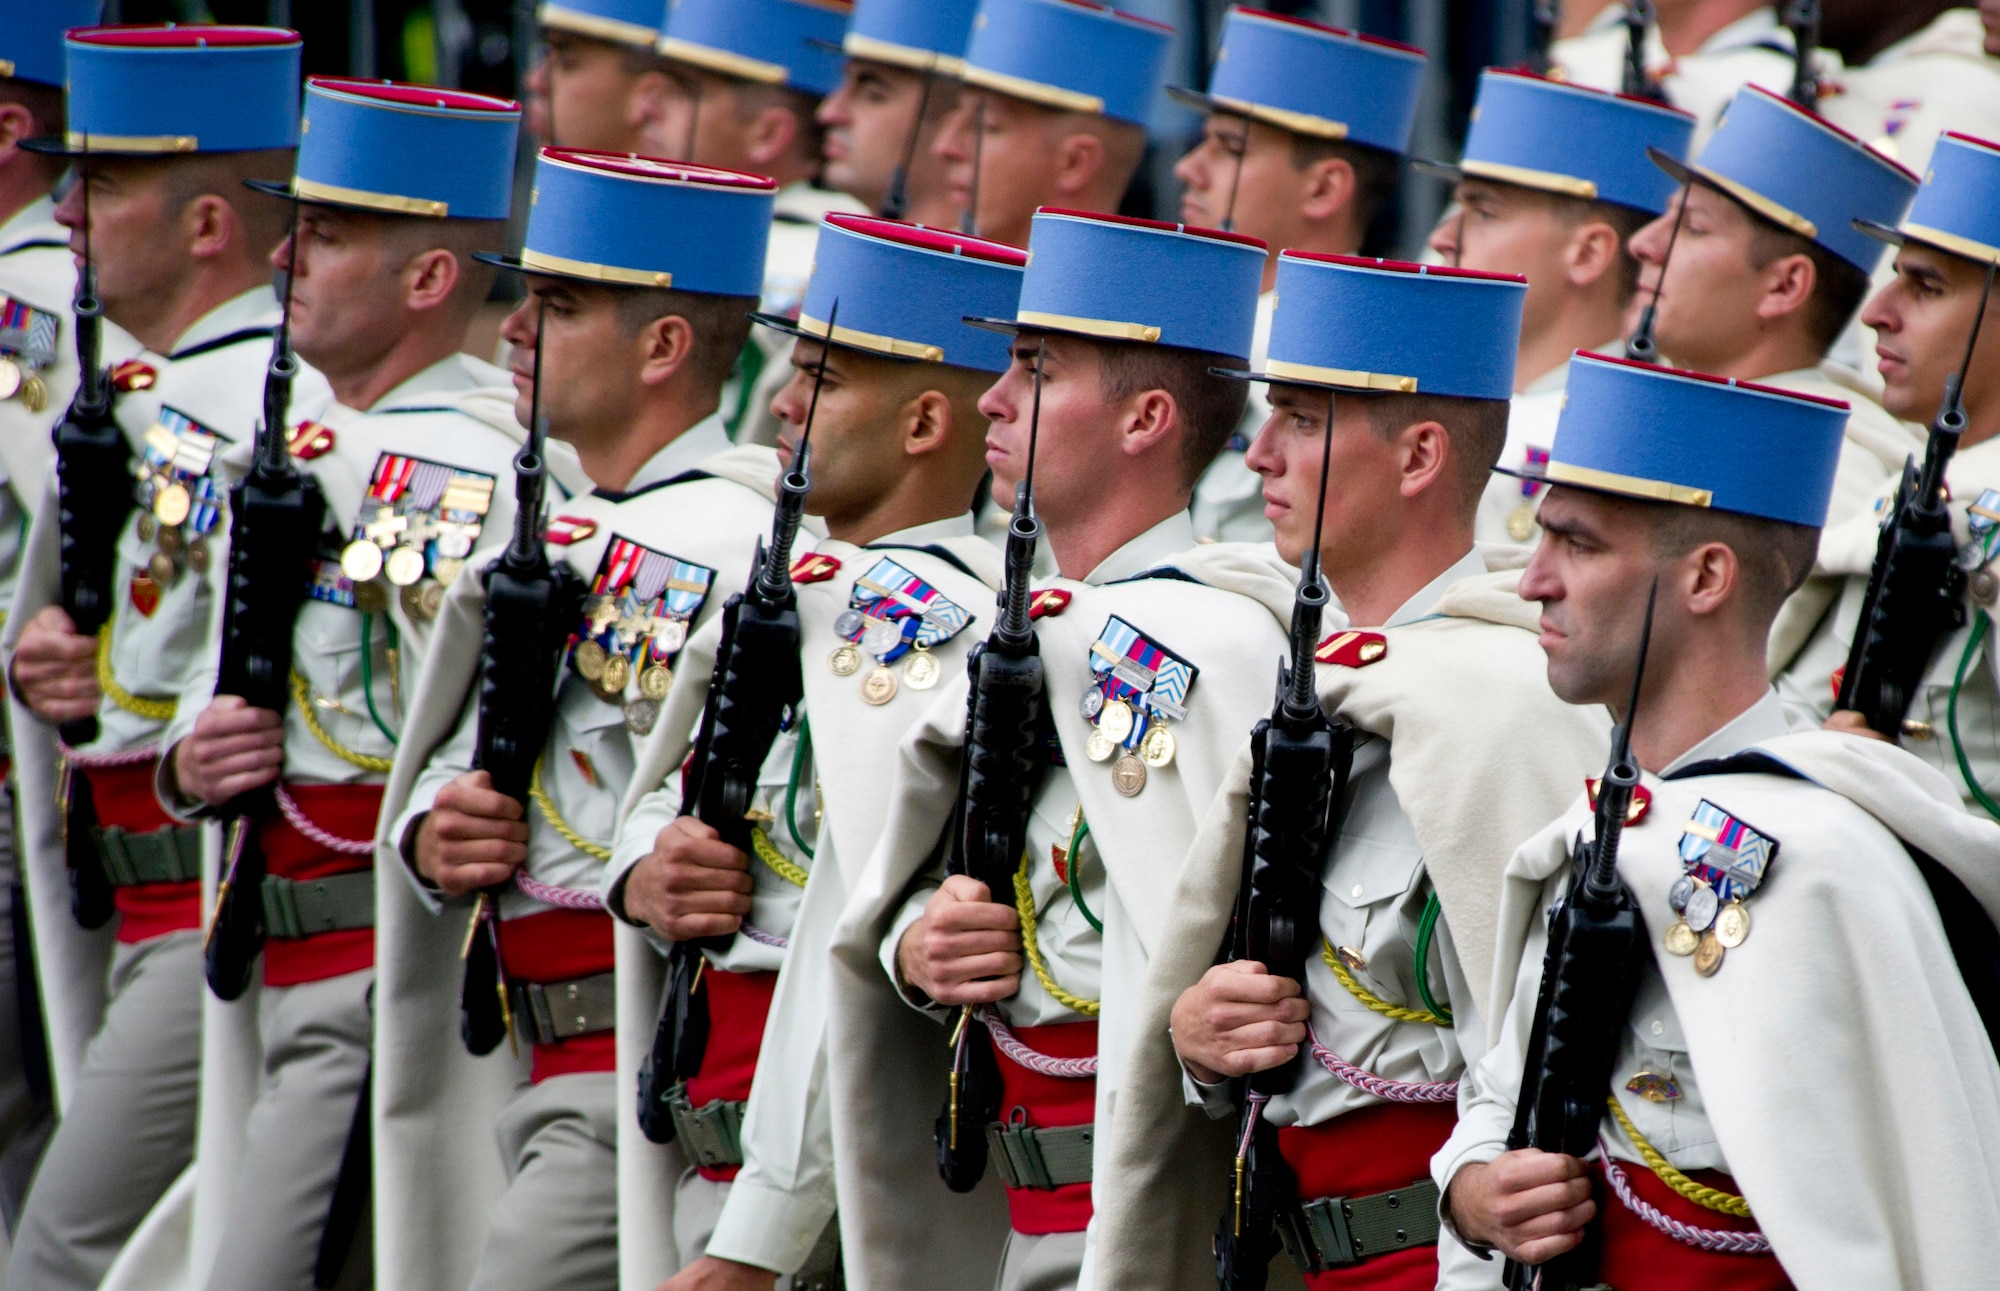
848 623
1701 907
1678 894
640 714
1093 704
882 636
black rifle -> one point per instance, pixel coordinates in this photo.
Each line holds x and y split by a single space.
93 501
1597 944
896 203
753 695
1544 16
1802 20
531 604
1300 762
276 514
1638 81
1916 589
1006 726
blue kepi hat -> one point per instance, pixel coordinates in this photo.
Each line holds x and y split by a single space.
31 36
1075 55
924 35
770 42
616 22
1958 208
162 90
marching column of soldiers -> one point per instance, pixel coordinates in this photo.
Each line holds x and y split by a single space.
921 733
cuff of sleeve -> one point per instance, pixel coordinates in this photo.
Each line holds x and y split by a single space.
769 1229
913 910
429 893
1214 1099
1450 1159
613 886
166 787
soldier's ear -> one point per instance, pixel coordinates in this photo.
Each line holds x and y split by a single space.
429 278
666 347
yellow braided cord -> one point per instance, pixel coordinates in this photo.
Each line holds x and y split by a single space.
768 852
153 710
302 697
1727 1203
547 806
1024 903
1375 1003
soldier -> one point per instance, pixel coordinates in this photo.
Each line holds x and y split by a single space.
407 455
901 82
1940 78
1554 182
1436 667
888 604
165 124
1752 1140
1927 318
598 81
1140 639
632 373
1055 112
1306 129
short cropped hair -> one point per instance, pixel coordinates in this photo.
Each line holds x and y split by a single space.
721 324
1575 212
1477 429
1375 170
266 220
752 98
1838 287
1209 406
1773 557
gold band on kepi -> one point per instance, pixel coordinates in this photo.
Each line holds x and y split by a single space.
1525 177
307 190
872 341
723 60
1279 370
1020 87
1283 118
6 67
1952 242
869 49
1109 329
540 262
1782 216
147 143
1627 485
589 24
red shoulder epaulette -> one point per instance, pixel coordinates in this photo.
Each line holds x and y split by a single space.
814 567
308 440
1047 603
1642 799
564 531
1352 649
133 375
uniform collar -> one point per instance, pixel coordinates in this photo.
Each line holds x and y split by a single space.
1556 378
919 535
1763 720
35 222
257 307
1169 537
688 450
1470 565
440 383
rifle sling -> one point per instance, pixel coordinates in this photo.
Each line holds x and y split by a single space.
685 477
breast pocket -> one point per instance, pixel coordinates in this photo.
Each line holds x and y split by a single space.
1366 891
590 763
327 654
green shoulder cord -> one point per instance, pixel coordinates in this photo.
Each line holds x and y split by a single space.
368 672
1980 623
799 756
1074 859
1426 929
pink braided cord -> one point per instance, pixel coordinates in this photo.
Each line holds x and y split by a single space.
561 898
1395 1091
1042 1064
1702 1239
1254 1103
762 938
89 761
298 819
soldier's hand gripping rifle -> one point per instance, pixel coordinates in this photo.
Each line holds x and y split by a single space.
93 501
752 695
1801 18
275 516
1597 943
1300 761
1916 588
1006 722
531 604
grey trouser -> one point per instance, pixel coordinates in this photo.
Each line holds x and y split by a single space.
25 1120
556 1225
128 1131
1040 1262
316 1037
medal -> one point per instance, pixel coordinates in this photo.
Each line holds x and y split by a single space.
1128 775
1678 894
1156 750
849 623
617 671
1356 961
1093 704
670 636
10 378
882 636
640 714
1732 924
654 682
879 686
920 670
371 598
197 554
405 566
1115 721
1099 748
1681 939
453 543
34 392
589 658
845 661
1708 955
1521 522
446 570
361 560
146 526
172 504
162 569
1701 907
170 540
430 598
1654 1087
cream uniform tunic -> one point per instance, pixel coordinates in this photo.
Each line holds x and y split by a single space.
1940 78
780 1204
1830 1139
1210 605
1228 501
1507 507
451 1208
148 1065
1756 49
1441 791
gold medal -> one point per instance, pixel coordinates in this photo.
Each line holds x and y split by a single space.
654 682
371 598
169 538
405 565
162 569
172 504
197 554
617 671
879 686
1099 747
1732 925
845 661
1158 747
430 598
589 658
10 378
34 392
361 560
147 527
1128 776
1521 522
920 670
446 570
1681 939
1708 955
1115 720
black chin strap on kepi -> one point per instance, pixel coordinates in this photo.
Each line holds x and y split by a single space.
1236 178
897 203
